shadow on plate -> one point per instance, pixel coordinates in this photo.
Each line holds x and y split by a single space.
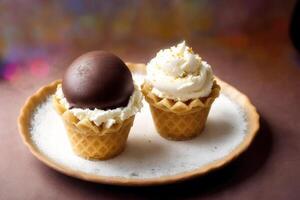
235 173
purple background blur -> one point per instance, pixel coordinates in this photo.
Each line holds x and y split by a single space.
36 36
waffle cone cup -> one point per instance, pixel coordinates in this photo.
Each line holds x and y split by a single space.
91 141
178 120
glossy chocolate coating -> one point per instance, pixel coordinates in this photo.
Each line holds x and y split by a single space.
98 79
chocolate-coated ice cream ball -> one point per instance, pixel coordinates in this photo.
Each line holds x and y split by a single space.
97 79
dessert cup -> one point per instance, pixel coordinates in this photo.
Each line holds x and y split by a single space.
179 120
97 101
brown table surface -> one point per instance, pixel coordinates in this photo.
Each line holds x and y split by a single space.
267 70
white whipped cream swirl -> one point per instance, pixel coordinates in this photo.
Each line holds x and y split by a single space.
105 117
178 73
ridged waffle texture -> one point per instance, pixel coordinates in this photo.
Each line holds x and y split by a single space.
177 120
91 141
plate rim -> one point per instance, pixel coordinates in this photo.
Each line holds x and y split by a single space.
40 95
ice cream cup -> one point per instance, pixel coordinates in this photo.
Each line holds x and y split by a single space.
180 89
177 120
91 141
97 101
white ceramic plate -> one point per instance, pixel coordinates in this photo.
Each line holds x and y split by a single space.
148 158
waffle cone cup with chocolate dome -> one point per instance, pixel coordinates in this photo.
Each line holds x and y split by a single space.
91 141
179 120
97 83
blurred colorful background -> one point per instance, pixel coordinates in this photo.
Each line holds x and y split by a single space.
248 43
37 37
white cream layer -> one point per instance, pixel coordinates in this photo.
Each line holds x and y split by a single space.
106 117
180 74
